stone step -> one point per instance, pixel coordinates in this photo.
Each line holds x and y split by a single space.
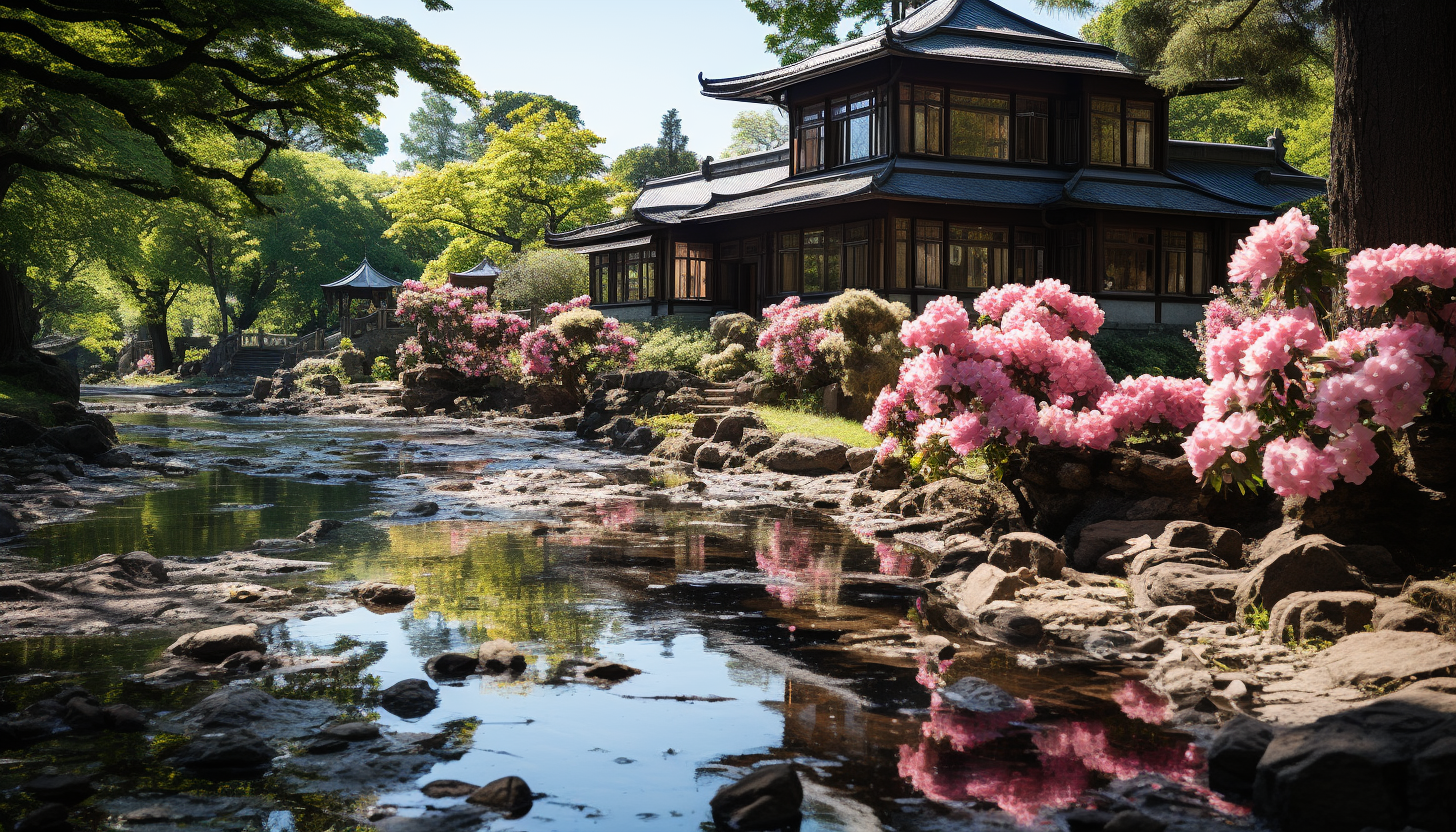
711 409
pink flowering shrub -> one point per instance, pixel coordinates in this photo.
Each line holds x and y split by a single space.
793 332
576 344
1024 373
458 329
146 364
1299 406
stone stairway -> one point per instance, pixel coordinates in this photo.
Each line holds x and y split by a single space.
718 397
256 362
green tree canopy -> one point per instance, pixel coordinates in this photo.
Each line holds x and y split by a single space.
434 138
757 130
669 157
499 110
542 277
803 27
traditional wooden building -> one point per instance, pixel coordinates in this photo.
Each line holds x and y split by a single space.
961 148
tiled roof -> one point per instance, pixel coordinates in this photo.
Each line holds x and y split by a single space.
995 50
595 232
981 189
794 194
364 277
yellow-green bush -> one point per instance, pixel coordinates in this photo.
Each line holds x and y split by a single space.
865 353
733 362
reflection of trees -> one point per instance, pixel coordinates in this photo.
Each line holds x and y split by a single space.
482 584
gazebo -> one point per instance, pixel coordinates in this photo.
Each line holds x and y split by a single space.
365 283
483 273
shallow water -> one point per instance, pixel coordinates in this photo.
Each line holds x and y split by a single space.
746 606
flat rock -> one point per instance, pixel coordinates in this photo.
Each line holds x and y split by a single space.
970 693
1036 552
1097 539
797 454
1207 589
235 754
218 643
508 795
988 583
448 788
1380 657
1225 544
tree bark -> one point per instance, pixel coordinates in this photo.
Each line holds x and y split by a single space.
1392 172
161 349
18 320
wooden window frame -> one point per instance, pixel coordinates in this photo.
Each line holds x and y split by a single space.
692 266
932 114
803 131
843 114
1192 262
1027 123
983 238
1094 116
1003 114
788 259
1149 251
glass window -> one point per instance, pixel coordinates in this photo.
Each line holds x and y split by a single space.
1031 129
788 275
1185 262
833 258
1029 259
1069 136
1106 131
975 257
692 269
858 126
1139 134
920 118
813 271
857 256
929 239
901 276
1071 258
601 275
649 273
980 125
811 137
1127 258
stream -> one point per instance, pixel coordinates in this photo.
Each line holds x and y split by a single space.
738 617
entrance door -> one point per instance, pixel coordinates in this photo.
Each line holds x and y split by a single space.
747 288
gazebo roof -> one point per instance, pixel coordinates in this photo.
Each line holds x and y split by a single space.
484 268
363 278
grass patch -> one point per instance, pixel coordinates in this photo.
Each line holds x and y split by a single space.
1304 645
669 423
1127 353
1256 616
34 405
781 420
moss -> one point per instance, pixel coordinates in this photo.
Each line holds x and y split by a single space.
1126 353
781 420
34 405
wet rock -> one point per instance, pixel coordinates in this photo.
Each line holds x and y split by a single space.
767 799
1329 616
1172 619
1225 544
124 718
501 656
715 456
23 731
988 583
262 388
797 454
1105 642
250 661
83 713
705 427
383 594
68 789
639 441
1208 590
84 440
351 731
1097 539
1030 550
238 754
609 671
451 666
732 424
218 643
233 707
409 699
448 788
1008 623
423 508
318 529
1385 765
971 693
1309 564
1233 758
1381 657
508 795
48 818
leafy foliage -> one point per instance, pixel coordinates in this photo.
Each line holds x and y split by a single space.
669 157
541 277
757 130
434 139
1132 354
671 343
803 27
865 350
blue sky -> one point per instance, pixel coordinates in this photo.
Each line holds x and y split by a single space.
623 62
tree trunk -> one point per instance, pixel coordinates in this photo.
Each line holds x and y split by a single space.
161 350
18 320
1392 172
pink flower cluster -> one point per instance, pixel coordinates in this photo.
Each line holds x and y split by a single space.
1374 274
1028 375
549 355
459 329
793 331
1261 255
146 364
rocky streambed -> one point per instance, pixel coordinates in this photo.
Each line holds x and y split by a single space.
486 622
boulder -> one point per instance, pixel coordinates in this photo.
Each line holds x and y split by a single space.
250 661
84 440
988 583
15 431
715 456
971 693
509 795
383 594
408 699
1385 765
705 427
1097 539
858 459
1233 757
1182 677
1225 544
1153 556
262 388
1380 657
1008 623
1029 550
1439 597
318 529
351 731
732 424
681 447
451 666
231 707
1172 620
1329 616
218 643
767 799
1208 590
884 475
1308 564
639 440
238 754
754 442
1106 643
448 788
421 508
1395 614
9 525
609 671
797 454
501 656
124 718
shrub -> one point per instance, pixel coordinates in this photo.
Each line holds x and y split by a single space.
1299 406
864 350
540 278
318 367
737 328
457 328
194 354
671 344
733 362
1027 374
346 344
383 369
146 364
1132 354
793 332
577 344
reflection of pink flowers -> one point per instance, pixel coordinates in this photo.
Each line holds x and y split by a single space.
789 557
617 514
1140 702
930 671
893 561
